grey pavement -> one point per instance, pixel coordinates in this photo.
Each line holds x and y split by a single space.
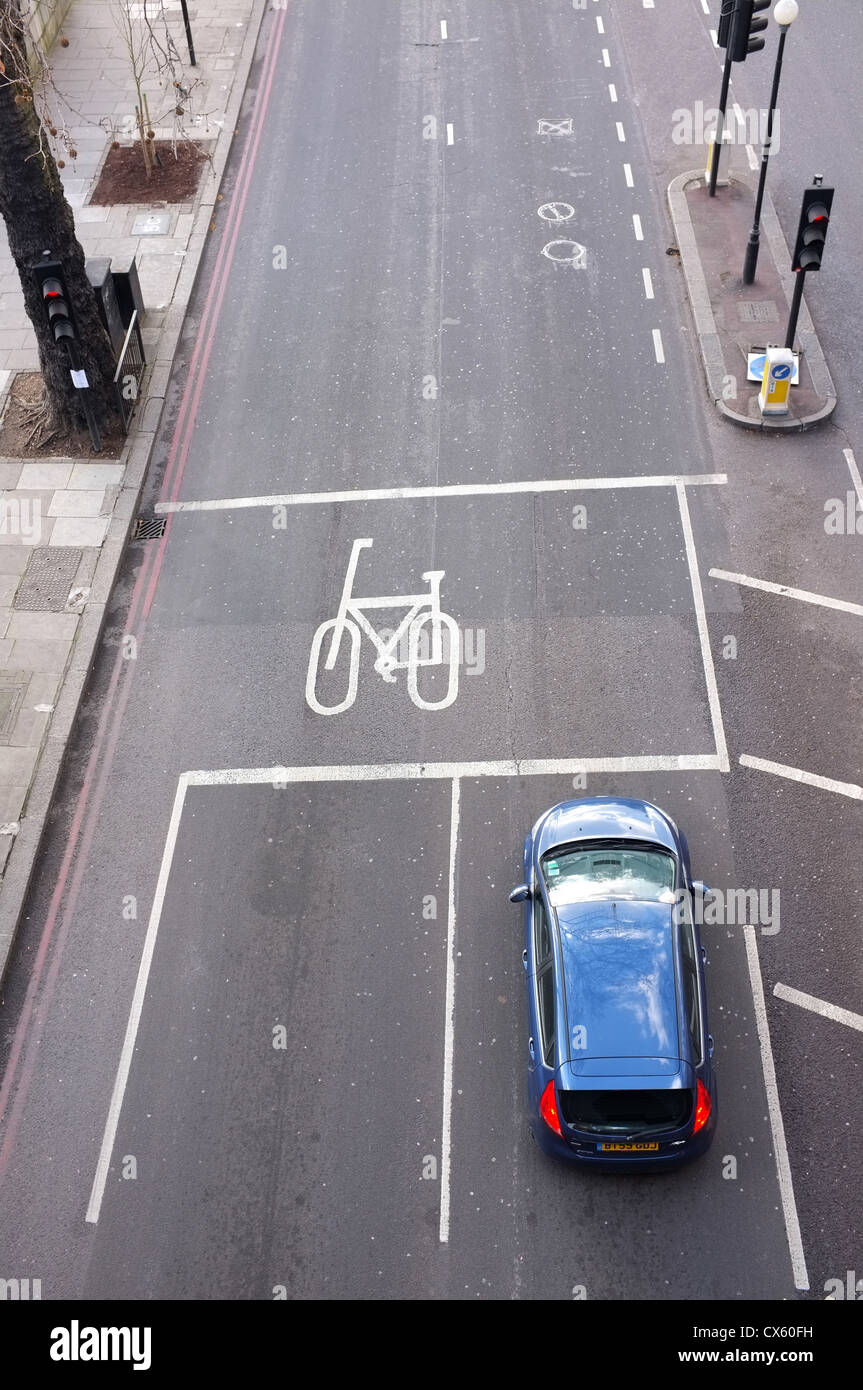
64 523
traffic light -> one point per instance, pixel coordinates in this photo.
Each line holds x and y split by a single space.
55 296
743 26
812 230
726 15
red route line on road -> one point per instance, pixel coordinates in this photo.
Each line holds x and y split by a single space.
84 821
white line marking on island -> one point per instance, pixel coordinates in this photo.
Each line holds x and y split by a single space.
802 595
819 1006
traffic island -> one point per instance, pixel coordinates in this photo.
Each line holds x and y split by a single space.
732 319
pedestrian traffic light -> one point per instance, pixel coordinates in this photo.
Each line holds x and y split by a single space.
743 26
55 296
812 230
726 15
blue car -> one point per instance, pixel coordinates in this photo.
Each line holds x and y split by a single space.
620 1074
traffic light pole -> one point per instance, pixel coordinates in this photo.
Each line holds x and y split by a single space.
752 245
797 296
720 125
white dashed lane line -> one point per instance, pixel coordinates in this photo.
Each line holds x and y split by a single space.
443 32
627 174
657 345
605 58
648 283
600 27
450 134
612 91
621 133
636 226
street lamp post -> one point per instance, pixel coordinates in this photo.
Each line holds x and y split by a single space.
784 12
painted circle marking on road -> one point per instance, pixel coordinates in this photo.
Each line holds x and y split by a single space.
566 253
556 212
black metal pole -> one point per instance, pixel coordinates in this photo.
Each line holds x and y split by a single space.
720 126
75 366
752 245
799 277
188 33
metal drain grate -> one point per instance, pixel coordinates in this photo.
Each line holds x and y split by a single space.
150 528
49 576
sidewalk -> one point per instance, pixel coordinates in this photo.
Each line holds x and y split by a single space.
732 318
64 523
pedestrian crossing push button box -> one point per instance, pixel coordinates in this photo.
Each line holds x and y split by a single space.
776 382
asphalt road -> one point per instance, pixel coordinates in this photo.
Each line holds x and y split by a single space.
266 1029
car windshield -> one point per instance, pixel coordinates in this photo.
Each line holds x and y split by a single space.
609 870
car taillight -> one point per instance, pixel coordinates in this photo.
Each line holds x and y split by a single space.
702 1107
548 1109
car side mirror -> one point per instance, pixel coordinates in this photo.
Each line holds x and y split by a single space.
520 894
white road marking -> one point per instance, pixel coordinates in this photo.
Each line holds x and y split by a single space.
573 253
443 32
648 283
657 345
351 621
636 224
783 1167
605 58
556 212
855 473
752 157
715 37
260 776
621 133
612 91
437 772
449 1022
599 25
450 136
400 494
739 116
648 4
627 174
802 595
705 6
703 630
796 774
819 1006
116 1104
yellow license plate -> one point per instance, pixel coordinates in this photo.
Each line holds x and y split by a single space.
629 1148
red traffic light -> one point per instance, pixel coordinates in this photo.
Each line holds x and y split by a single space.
812 228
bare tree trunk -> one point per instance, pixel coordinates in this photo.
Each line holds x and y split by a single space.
38 218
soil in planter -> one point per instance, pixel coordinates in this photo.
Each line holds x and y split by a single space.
124 179
15 431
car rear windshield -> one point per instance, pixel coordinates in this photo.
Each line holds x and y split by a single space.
625 1112
609 870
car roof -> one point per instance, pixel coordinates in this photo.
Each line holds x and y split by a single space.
604 817
619 981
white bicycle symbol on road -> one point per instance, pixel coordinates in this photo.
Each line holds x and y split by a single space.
351 619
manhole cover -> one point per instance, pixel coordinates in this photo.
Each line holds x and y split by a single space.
48 578
150 528
758 311
13 685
